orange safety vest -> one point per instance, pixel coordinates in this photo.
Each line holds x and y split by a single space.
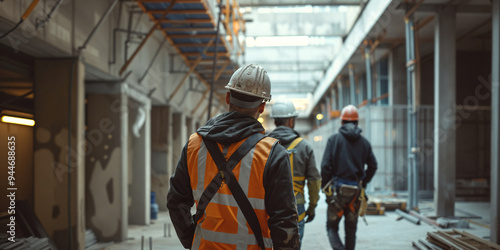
223 225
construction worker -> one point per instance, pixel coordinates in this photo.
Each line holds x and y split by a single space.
302 160
239 178
343 176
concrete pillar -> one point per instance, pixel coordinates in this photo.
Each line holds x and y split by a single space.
378 82
140 162
397 76
444 112
178 136
106 168
59 178
369 76
495 124
361 88
171 162
160 176
333 94
340 94
352 85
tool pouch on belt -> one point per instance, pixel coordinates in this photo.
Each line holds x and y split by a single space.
347 192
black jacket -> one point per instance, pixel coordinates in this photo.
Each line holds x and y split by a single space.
304 162
346 154
229 128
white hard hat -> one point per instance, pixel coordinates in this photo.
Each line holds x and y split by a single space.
251 80
283 109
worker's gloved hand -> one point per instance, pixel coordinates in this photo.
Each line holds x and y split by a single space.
310 214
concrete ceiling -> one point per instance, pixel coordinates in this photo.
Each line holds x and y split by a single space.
297 71
311 34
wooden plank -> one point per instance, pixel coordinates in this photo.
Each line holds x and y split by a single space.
188 21
188 29
185 36
461 243
167 1
192 44
219 61
219 54
428 244
183 12
418 245
442 242
483 241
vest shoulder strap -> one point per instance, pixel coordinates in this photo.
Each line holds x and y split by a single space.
294 143
226 167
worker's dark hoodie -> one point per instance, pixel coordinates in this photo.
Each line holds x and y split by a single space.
345 156
303 161
226 129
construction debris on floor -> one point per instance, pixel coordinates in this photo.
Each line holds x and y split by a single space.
91 241
453 240
25 243
378 205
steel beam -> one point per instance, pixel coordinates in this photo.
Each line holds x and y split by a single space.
495 124
367 20
445 112
261 3
412 162
461 9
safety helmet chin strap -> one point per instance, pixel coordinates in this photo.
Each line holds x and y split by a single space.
244 104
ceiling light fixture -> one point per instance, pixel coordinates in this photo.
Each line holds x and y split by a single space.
18 120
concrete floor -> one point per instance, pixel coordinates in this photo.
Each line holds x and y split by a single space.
382 231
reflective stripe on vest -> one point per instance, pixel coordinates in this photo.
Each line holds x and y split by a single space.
223 225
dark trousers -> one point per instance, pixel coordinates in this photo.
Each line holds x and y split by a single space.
338 207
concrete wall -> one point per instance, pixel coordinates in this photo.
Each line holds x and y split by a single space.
389 144
70 26
23 142
161 164
397 76
106 197
56 171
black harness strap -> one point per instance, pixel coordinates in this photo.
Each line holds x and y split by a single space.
225 168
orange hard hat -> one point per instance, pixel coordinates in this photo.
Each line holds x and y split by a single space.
349 113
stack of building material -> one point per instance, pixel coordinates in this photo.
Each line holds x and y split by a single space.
27 243
454 240
375 208
91 242
378 205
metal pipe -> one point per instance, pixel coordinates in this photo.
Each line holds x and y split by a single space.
408 217
411 117
424 218
212 86
70 113
495 124
98 25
